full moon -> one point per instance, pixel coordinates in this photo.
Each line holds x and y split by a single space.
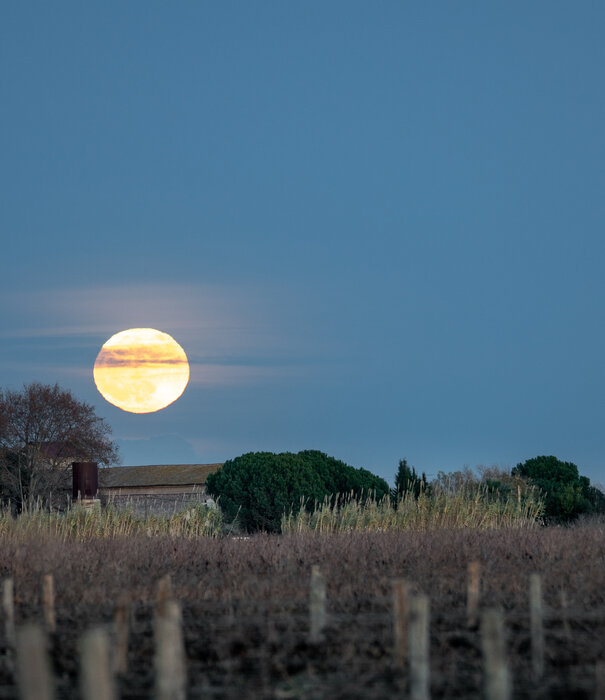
141 370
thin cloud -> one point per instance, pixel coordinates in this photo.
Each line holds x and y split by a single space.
202 374
219 318
238 375
232 335
131 305
49 332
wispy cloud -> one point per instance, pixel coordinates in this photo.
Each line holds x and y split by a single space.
213 319
236 375
51 331
231 335
112 308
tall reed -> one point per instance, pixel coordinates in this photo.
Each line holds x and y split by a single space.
477 508
195 520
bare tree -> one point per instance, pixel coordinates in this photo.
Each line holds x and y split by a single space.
43 429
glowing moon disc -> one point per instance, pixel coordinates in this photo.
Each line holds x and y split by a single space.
141 370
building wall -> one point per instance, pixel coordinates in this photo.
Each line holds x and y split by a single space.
153 490
156 500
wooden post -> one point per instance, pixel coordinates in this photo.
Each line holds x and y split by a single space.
536 625
48 597
418 647
600 680
317 607
400 628
96 677
565 615
170 672
121 632
34 678
8 610
473 589
164 593
496 676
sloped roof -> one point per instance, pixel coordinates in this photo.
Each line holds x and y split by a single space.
156 475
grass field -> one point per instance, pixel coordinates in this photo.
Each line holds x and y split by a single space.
245 607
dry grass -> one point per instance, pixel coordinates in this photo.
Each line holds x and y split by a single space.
193 521
471 506
475 507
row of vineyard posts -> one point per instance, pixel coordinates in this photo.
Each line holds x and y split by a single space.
101 659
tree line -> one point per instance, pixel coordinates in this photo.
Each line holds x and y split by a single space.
259 487
565 493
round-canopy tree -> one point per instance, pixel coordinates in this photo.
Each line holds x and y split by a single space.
566 493
42 429
260 487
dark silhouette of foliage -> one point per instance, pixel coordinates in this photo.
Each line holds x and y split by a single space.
259 487
42 429
566 493
408 481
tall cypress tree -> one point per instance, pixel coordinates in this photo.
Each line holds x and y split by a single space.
408 481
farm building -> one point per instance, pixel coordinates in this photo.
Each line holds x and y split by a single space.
155 489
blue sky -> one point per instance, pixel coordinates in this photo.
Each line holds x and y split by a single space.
375 228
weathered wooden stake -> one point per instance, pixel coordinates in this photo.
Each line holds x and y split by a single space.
400 628
473 590
317 606
34 678
170 678
418 647
565 615
496 676
8 610
536 625
96 678
164 593
121 631
600 680
48 597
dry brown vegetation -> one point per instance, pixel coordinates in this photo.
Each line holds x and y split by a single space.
467 507
245 604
